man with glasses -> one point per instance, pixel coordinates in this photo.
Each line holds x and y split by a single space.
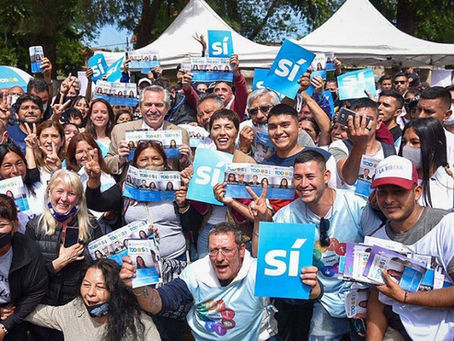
400 83
336 215
251 140
221 287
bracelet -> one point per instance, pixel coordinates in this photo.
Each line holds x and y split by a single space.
2 327
405 297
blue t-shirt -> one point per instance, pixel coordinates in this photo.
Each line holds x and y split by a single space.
17 136
290 161
344 218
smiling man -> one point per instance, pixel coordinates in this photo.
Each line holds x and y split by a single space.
221 288
422 315
154 102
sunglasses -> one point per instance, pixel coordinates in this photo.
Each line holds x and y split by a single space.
263 108
400 82
324 227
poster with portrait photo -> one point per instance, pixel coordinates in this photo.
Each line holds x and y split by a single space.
145 256
366 175
36 58
239 175
170 140
209 69
14 188
140 60
196 134
116 93
114 245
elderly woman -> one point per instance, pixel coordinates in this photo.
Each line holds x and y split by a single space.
104 309
65 209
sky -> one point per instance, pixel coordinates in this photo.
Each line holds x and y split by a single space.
109 37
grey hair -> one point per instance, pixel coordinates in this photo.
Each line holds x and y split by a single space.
262 92
214 97
224 228
155 88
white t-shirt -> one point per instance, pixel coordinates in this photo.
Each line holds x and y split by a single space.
450 148
441 186
5 265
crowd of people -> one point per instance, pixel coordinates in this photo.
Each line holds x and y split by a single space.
71 154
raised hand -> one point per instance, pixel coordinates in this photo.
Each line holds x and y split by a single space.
52 160
186 81
305 80
123 151
318 83
180 194
92 167
89 73
246 139
219 194
67 84
258 207
46 67
58 109
201 40
31 141
5 107
235 63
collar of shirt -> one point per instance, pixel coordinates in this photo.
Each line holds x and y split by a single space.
146 126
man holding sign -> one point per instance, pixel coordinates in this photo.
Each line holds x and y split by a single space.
221 286
336 215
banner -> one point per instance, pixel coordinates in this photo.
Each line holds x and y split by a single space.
170 140
207 69
14 188
239 175
283 250
114 245
144 254
113 73
209 168
98 65
220 44
329 97
323 61
196 134
36 58
140 60
354 84
288 66
149 185
117 93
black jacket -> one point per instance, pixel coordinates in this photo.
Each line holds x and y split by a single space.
181 112
62 286
27 279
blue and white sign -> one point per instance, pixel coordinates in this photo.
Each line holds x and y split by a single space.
98 65
141 60
290 64
113 73
209 69
259 78
209 168
11 76
354 84
283 250
220 44
117 93
36 58
329 97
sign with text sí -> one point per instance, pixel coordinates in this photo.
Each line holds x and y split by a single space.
283 250
209 168
220 44
99 66
288 66
113 73
354 84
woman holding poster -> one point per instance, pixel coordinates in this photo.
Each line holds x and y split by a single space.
54 230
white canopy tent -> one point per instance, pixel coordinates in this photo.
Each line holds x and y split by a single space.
360 35
176 43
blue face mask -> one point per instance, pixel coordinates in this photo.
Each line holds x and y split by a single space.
98 310
61 217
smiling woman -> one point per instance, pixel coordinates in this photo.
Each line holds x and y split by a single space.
100 123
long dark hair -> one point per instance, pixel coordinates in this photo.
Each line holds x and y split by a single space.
142 145
6 148
71 162
110 124
124 310
432 139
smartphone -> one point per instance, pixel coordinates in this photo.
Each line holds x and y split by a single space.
71 236
344 113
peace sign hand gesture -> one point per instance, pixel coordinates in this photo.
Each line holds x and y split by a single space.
31 141
67 84
92 167
5 107
52 160
258 207
58 109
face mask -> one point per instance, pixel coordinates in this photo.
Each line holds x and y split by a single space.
5 239
414 155
155 167
98 310
450 120
61 217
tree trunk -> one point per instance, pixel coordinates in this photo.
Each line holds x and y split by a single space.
406 14
146 22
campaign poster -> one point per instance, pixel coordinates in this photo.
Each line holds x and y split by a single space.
145 256
14 188
113 72
220 44
99 66
117 93
209 168
196 134
149 185
36 58
283 250
114 245
140 60
209 69
171 140
366 175
278 179
353 85
288 67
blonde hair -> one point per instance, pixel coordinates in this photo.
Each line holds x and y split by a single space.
69 179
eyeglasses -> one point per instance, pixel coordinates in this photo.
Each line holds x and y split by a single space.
263 108
224 251
399 82
324 227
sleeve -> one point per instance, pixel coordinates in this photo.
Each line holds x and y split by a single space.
33 290
174 294
304 140
337 152
323 103
112 158
191 97
47 316
111 199
241 94
124 77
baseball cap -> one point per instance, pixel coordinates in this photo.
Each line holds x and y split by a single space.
395 170
142 80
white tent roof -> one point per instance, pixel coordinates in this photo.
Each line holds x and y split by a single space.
360 35
176 43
